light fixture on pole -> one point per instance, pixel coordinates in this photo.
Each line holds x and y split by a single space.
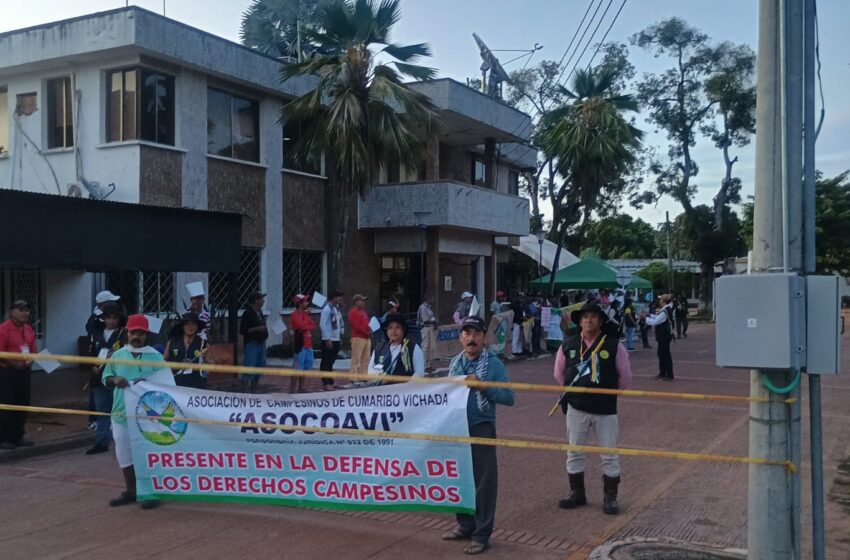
541 237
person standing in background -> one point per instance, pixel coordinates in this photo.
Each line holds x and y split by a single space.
255 333
330 322
16 335
361 334
303 326
427 321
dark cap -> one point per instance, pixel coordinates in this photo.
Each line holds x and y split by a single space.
255 296
473 322
575 316
395 318
336 293
112 308
20 304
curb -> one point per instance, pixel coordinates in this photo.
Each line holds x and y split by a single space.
74 441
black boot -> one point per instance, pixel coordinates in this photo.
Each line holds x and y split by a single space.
128 496
609 485
577 496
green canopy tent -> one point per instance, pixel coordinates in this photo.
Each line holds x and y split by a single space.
589 273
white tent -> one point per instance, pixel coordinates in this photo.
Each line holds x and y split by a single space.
528 245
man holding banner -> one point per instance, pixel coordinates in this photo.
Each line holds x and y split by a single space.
478 364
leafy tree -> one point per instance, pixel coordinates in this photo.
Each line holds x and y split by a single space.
592 146
278 27
659 274
705 82
621 237
832 224
360 112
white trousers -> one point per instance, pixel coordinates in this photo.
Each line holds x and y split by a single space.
516 341
607 430
123 453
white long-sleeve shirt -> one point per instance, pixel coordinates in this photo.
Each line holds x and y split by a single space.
417 357
330 315
654 319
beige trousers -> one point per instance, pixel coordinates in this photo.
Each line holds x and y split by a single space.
361 349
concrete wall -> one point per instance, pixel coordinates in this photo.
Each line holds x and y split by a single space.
303 208
239 187
459 267
68 303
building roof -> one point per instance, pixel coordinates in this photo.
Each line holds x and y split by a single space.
136 30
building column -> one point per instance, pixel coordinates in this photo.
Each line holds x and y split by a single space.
271 155
432 158
490 278
490 163
433 279
192 130
481 284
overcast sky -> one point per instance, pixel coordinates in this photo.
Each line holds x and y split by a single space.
518 24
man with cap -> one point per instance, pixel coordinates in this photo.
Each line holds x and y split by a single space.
592 358
330 322
197 305
254 333
462 309
118 377
427 321
303 325
96 318
16 335
109 336
663 324
476 363
186 345
361 334
398 355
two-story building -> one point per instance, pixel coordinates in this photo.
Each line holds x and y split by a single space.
130 106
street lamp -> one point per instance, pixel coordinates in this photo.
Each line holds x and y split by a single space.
541 237
420 223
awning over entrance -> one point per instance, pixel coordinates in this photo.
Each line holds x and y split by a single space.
58 232
529 246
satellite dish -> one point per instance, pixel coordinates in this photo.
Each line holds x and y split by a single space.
489 62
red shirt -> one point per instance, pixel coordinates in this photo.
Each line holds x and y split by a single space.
359 322
16 339
303 321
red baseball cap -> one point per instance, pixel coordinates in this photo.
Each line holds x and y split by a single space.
298 298
137 323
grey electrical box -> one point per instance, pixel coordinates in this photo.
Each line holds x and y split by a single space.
761 321
823 325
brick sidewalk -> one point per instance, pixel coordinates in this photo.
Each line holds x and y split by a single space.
59 497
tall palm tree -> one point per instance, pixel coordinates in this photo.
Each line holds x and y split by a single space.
593 142
360 112
277 27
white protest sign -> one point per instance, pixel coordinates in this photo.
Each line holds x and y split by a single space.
318 299
474 307
154 324
374 324
195 289
45 363
278 326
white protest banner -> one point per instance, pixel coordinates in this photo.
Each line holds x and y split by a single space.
179 460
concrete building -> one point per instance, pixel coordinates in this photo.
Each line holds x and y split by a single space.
133 107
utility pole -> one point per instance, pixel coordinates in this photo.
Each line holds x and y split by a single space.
669 254
773 522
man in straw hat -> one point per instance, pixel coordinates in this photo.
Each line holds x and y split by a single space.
592 358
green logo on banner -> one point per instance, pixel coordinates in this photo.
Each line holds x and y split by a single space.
153 418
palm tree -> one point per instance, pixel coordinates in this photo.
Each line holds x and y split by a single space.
277 27
360 112
593 143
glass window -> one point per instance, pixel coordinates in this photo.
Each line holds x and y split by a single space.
140 106
233 126
513 183
4 121
292 133
302 274
479 172
60 129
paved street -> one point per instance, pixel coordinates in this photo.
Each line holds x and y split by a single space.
55 505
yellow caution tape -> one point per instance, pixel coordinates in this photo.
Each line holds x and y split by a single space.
496 442
288 372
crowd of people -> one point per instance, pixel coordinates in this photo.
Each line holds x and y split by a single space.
600 332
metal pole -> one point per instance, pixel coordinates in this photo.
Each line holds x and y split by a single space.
773 523
809 266
669 254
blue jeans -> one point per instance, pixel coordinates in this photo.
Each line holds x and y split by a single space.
102 403
255 356
630 338
304 359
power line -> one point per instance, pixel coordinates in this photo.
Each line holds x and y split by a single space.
575 34
589 41
602 41
596 11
